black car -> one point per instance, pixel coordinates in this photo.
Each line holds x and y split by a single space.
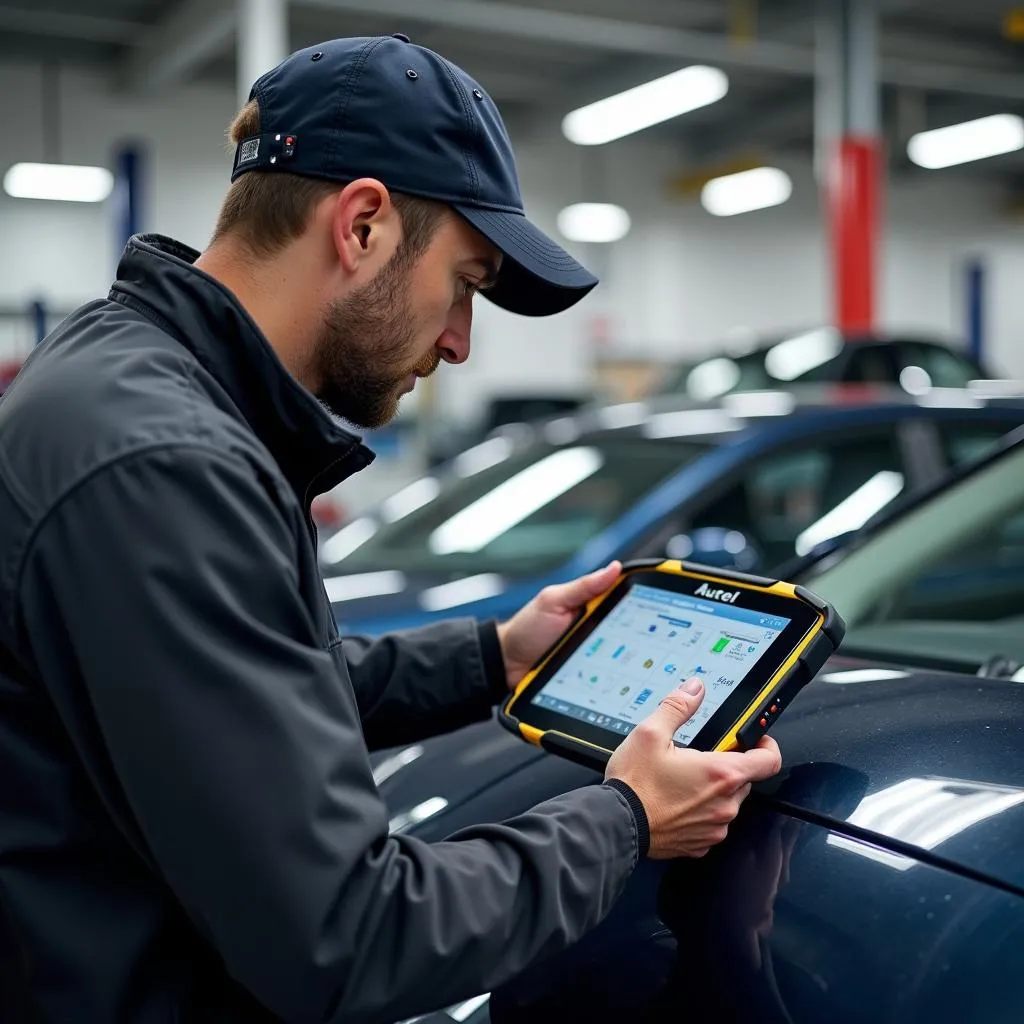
824 355
880 877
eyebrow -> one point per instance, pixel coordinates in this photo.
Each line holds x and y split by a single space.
489 268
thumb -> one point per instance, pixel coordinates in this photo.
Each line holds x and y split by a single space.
678 707
571 595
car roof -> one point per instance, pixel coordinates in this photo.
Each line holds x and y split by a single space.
677 418
760 343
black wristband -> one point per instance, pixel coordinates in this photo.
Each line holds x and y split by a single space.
643 828
494 660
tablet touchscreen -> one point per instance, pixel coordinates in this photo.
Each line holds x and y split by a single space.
652 641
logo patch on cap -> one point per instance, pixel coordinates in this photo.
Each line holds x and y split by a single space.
249 150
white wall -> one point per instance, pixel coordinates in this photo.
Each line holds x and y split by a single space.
680 280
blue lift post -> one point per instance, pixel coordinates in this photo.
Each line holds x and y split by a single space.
976 309
127 199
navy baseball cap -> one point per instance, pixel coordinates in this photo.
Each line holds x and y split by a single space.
382 107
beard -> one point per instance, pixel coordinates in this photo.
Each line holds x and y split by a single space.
363 350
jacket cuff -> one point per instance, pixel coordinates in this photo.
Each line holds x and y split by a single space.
493 660
643 828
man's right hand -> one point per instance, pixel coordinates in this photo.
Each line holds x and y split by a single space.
690 796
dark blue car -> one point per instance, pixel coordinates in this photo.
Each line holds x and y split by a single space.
880 877
749 482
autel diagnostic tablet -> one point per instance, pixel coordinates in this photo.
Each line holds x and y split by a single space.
753 642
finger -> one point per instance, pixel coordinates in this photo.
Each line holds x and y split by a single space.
677 708
760 762
583 589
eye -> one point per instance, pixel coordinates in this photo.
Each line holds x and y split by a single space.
468 287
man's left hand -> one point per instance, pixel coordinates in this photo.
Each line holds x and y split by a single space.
534 628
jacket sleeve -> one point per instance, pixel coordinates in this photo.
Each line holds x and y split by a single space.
238 769
423 682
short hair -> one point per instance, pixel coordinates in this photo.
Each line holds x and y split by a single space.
269 209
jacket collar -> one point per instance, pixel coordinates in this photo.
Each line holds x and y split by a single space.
156 276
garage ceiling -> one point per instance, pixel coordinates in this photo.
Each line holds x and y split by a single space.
942 60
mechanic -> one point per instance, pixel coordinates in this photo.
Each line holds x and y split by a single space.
189 826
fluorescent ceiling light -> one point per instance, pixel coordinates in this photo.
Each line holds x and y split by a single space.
997 388
948 398
712 379
645 105
346 540
625 414
689 421
60 182
410 498
796 356
756 189
915 380
970 140
498 511
593 222
760 403
853 511
364 584
564 430
472 588
483 456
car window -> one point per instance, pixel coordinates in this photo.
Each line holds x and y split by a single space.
965 442
508 512
945 582
945 367
789 501
870 364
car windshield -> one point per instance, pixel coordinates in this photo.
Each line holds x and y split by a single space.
808 358
942 585
503 510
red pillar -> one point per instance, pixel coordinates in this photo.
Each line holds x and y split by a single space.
852 193
849 156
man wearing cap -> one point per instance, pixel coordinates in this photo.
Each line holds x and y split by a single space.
189 827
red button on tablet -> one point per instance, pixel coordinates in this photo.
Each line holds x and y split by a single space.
764 723
773 709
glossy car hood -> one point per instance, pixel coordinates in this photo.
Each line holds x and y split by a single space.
919 763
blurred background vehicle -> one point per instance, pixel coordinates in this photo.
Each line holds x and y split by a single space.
882 862
826 355
501 410
748 482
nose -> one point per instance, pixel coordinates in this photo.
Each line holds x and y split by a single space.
453 343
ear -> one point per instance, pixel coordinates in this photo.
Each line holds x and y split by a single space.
365 225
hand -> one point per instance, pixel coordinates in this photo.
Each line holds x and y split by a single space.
535 627
690 796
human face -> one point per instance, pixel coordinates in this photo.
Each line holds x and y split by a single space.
377 341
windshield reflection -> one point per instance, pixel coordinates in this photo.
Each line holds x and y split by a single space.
502 510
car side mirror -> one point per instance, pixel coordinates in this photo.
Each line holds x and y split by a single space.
717 546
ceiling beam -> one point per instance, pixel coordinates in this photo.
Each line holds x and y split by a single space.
85 27
193 33
615 36
582 30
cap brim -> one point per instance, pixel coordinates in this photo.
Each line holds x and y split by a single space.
538 277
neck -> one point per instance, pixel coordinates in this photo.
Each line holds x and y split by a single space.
278 296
